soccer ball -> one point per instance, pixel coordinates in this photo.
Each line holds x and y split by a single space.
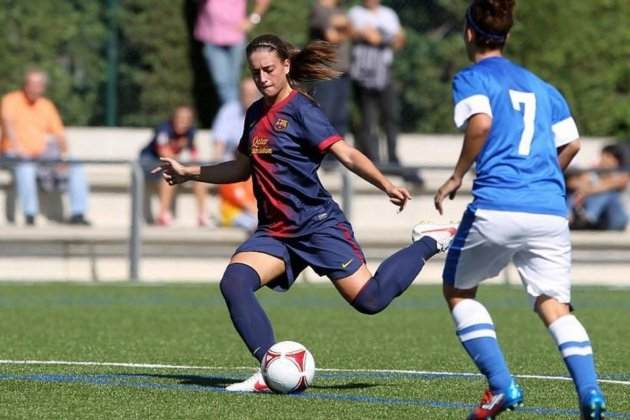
288 367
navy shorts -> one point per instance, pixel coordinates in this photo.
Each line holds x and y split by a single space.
331 251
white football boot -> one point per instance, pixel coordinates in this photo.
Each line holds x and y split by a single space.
443 234
254 383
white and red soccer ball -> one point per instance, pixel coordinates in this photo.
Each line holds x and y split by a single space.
288 367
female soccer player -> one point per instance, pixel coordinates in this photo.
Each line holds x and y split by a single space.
284 140
520 133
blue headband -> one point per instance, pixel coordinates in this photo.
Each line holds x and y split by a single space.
499 37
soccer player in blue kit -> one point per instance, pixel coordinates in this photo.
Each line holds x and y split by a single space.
285 137
520 134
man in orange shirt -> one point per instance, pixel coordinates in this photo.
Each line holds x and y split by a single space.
32 129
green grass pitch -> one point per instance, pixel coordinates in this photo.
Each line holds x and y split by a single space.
188 326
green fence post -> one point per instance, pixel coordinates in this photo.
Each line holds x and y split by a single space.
111 97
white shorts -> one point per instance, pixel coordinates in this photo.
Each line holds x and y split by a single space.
539 245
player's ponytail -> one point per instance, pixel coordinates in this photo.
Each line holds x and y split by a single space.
491 20
313 62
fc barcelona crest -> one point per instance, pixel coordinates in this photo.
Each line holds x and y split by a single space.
281 124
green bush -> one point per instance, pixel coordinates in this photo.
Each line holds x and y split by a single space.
65 38
161 65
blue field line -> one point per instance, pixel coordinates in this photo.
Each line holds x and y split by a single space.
394 375
450 375
213 299
123 380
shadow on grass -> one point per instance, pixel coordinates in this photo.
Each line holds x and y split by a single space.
209 381
222 382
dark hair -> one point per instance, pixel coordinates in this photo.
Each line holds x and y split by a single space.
313 62
617 152
491 20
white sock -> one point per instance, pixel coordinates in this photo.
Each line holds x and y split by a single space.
469 312
570 337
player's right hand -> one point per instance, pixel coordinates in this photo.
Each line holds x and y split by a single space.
448 189
173 172
398 196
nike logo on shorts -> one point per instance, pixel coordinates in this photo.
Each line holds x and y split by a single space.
347 263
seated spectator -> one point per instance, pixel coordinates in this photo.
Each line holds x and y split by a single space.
32 129
237 204
172 139
596 199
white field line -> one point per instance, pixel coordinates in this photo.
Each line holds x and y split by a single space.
189 367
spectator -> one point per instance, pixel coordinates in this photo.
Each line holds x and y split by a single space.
237 204
221 26
171 139
596 199
227 126
32 129
329 22
377 33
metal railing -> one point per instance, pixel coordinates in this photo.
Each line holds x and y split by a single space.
137 192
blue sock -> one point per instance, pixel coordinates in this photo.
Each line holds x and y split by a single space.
394 276
476 332
575 346
238 286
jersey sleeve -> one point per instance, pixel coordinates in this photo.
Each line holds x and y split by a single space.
55 125
391 22
469 96
562 123
317 130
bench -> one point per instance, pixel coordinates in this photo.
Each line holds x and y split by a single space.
101 254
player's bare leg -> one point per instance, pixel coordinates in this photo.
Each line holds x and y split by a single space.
349 287
370 294
166 194
201 193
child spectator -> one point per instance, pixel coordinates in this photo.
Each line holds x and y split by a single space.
171 139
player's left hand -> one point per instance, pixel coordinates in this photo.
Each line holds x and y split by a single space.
398 196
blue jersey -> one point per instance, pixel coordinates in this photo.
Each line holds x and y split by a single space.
286 143
518 168
165 135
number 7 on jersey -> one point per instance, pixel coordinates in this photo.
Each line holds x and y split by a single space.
525 102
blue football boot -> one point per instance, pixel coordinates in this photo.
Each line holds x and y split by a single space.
593 405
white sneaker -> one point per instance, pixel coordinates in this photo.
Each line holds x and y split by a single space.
443 234
254 383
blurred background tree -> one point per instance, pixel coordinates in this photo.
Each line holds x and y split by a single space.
64 38
155 64
161 65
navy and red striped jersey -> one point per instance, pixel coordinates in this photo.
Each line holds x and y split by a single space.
286 143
